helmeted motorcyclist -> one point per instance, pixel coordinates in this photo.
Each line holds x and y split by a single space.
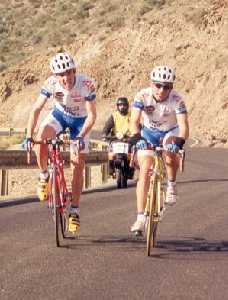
117 124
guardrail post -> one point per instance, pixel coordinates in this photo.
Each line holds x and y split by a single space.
104 167
4 182
11 131
104 172
87 177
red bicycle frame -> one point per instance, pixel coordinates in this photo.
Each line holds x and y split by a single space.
56 162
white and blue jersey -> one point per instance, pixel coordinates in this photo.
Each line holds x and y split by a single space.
71 102
159 118
69 105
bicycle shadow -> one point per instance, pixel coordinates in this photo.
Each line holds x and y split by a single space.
203 180
193 244
125 241
164 248
190 248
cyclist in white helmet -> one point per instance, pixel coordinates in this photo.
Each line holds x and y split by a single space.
164 118
74 107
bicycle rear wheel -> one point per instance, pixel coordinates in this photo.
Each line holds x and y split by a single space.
152 222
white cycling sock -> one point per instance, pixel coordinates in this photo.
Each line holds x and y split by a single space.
141 217
171 183
44 175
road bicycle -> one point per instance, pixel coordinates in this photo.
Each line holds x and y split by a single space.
155 204
59 197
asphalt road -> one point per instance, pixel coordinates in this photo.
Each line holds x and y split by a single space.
106 262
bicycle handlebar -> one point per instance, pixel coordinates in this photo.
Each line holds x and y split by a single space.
159 150
53 142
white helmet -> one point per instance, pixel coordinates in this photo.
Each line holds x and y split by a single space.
163 74
61 62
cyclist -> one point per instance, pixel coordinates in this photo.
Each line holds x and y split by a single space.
118 124
164 118
74 107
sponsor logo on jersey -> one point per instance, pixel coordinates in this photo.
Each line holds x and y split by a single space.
149 109
76 97
155 124
58 95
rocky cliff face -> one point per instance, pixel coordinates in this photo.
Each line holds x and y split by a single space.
119 46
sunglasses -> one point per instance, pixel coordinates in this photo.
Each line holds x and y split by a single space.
165 87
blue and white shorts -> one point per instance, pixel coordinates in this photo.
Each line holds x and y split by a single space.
154 136
59 121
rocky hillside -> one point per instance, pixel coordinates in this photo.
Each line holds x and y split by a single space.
118 43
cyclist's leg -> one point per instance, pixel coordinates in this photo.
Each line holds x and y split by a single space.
172 164
77 160
51 126
77 166
145 161
48 129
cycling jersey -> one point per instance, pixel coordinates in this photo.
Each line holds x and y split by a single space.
69 105
159 115
72 101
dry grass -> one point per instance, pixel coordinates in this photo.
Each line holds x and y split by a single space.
30 25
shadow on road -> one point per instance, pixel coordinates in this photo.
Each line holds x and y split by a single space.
193 245
129 241
204 180
172 247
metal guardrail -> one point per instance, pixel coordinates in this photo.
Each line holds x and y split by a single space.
17 159
9 131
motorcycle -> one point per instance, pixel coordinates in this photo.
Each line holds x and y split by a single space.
119 162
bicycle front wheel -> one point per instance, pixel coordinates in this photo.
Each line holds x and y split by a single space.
58 221
152 221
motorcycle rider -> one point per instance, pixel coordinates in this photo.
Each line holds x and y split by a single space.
118 126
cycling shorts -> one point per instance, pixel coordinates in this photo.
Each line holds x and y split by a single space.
154 136
60 121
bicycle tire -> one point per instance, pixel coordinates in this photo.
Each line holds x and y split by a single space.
182 162
63 224
56 212
156 211
151 229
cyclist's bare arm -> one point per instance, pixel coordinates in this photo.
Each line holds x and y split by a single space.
91 118
34 114
135 120
182 121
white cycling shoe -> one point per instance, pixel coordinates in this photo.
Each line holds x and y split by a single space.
138 226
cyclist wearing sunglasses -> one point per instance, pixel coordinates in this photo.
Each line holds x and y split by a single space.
165 119
74 107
